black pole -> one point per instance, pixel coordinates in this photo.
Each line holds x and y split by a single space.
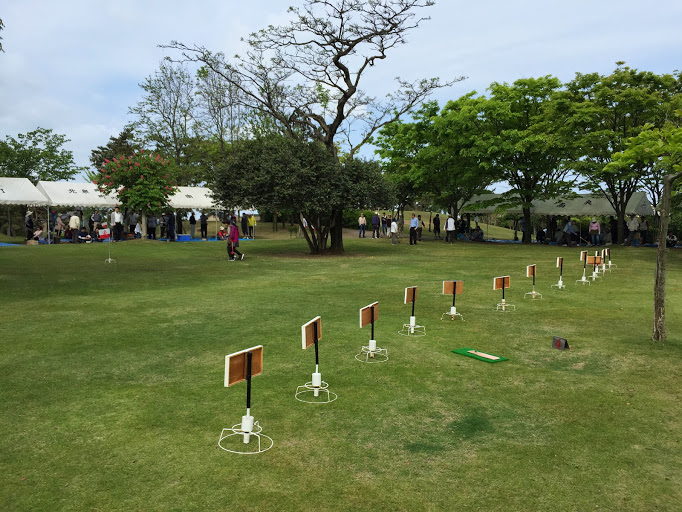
372 323
533 277
317 353
413 297
454 294
503 283
561 268
249 356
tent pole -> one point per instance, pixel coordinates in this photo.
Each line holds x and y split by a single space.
48 224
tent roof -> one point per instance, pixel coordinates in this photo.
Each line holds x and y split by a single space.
20 191
85 195
192 198
586 204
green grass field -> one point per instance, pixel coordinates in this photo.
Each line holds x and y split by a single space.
111 380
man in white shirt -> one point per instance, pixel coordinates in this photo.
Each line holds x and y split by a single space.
450 229
394 231
117 221
633 227
74 226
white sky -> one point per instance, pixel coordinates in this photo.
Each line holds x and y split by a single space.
75 65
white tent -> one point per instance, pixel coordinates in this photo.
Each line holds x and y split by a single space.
84 195
192 198
20 191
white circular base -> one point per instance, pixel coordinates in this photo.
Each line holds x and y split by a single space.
306 394
559 286
533 295
380 355
109 260
583 281
412 330
232 440
505 307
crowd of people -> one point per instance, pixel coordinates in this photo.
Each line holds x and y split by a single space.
455 229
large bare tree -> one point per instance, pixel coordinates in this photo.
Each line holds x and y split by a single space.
306 75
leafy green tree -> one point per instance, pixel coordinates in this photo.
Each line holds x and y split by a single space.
123 144
518 142
37 155
141 182
280 174
662 146
306 75
599 114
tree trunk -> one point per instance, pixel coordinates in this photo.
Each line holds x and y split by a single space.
336 231
659 333
620 215
143 224
526 222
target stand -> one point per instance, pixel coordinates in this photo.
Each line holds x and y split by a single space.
595 261
238 367
608 256
583 280
602 268
315 391
453 288
500 283
371 353
560 265
412 329
109 259
531 271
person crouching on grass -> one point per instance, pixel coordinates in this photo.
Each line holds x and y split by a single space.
233 242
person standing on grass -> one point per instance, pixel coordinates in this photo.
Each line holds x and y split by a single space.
643 231
362 226
449 230
170 227
384 224
75 225
436 227
633 227
233 242
203 224
178 223
151 227
252 225
59 226
245 226
613 226
420 227
376 224
413 230
192 224
394 231
595 231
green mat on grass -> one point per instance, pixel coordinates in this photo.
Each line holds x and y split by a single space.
466 352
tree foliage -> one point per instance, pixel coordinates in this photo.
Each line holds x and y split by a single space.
37 155
281 174
123 144
141 181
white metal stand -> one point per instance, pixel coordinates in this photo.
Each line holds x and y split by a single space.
452 314
314 392
560 285
109 260
229 437
533 295
372 354
412 329
503 306
583 279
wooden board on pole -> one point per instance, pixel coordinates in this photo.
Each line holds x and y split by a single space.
453 286
366 314
583 255
410 294
531 270
559 262
308 332
594 260
501 282
235 365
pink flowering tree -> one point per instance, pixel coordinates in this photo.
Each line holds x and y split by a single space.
142 182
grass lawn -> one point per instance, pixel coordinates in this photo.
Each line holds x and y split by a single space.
111 380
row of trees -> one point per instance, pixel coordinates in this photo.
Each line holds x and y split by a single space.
540 137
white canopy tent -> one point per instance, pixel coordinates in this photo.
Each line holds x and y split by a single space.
193 198
20 191
84 195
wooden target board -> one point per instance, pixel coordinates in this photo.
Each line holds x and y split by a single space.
559 262
308 332
594 260
410 294
531 270
366 314
501 282
583 255
450 287
235 365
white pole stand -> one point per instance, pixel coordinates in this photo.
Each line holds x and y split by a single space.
109 260
560 285
229 437
612 265
583 280
372 354
595 274
504 307
316 391
602 268
452 314
412 329
533 295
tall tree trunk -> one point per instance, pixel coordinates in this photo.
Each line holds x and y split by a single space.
620 215
143 224
659 333
336 232
526 222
